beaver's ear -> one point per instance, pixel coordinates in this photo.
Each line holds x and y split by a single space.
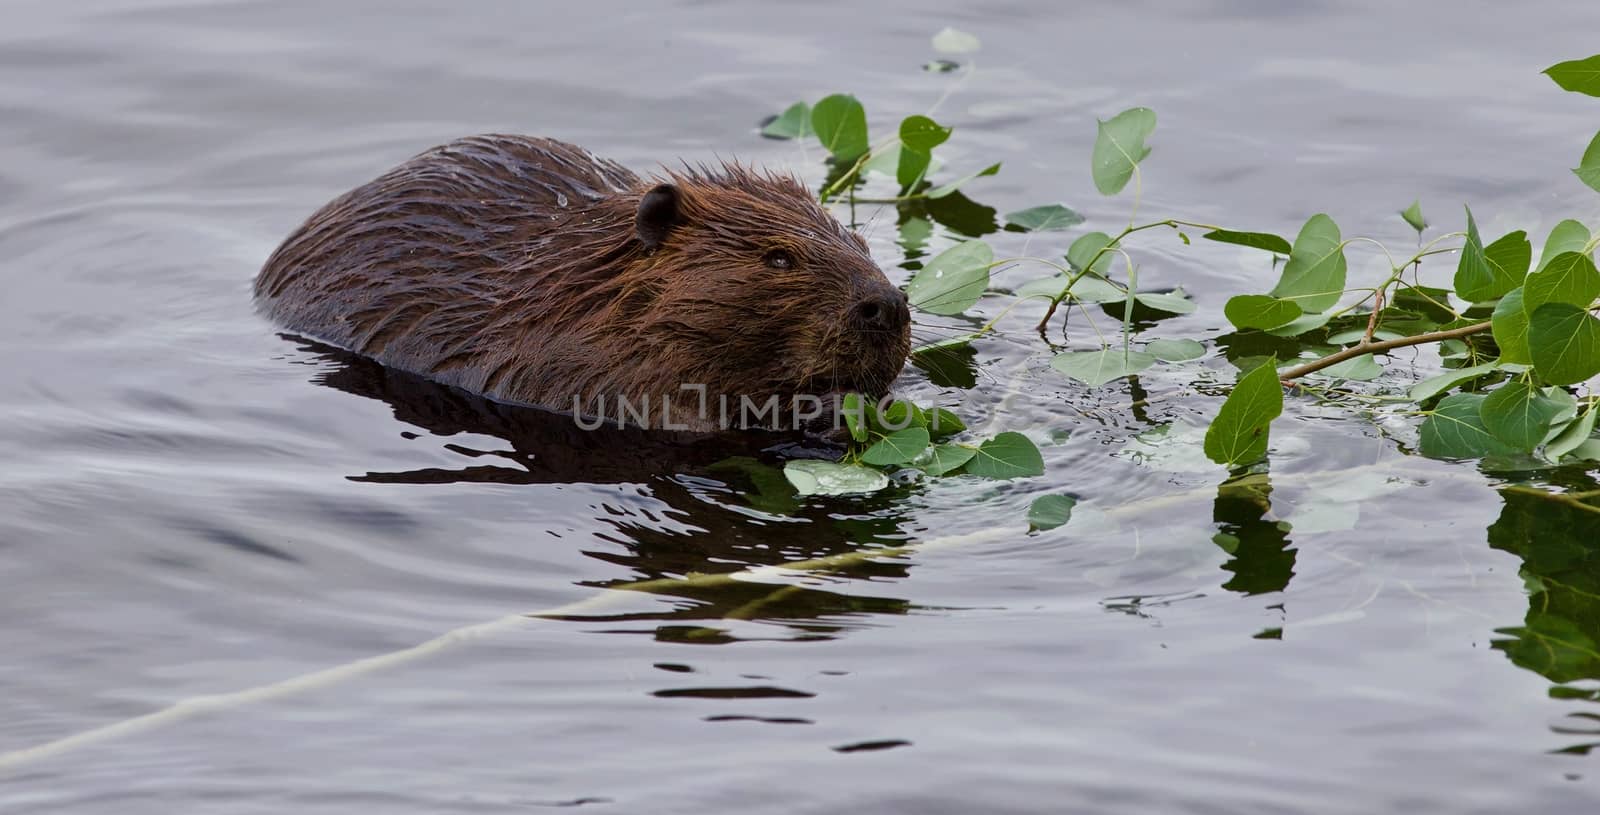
658 214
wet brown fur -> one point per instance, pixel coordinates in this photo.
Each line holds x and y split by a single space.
511 266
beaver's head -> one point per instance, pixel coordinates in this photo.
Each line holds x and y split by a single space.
753 289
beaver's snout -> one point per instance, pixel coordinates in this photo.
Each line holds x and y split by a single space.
885 310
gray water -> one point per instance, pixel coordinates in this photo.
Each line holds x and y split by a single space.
192 504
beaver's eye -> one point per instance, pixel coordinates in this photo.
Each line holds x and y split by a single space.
779 259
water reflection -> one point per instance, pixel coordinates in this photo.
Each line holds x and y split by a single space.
1262 561
730 507
1557 536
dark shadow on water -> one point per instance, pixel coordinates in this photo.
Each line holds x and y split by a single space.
1557 536
729 505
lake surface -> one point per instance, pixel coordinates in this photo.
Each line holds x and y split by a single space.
193 505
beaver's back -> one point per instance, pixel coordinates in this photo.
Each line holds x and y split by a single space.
405 267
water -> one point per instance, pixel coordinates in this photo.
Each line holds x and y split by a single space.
191 504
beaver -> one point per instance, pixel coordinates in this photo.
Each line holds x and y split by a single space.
533 272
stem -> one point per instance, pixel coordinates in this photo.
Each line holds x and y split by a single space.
1372 320
1116 244
1379 347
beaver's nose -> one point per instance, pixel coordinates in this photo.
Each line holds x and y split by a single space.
883 311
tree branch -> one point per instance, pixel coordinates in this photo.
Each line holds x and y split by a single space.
1379 347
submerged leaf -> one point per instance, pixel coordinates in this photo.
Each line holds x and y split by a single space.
1048 218
1173 303
1096 368
1050 511
812 477
1175 350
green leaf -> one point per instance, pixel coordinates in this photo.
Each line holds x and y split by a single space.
1086 247
1096 368
943 423
1050 511
952 41
1455 429
854 409
959 341
1435 385
1008 455
1574 435
1119 147
945 189
1254 240
1361 369
793 123
899 415
841 124
1259 311
898 447
1565 343
1087 290
1509 256
1578 75
1239 434
1314 276
1588 169
954 280
1510 328
1568 236
1413 216
1355 334
1302 324
812 477
1569 278
911 166
922 133
1175 350
918 136
943 459
1476 279
1048 218
1517 414
1170 303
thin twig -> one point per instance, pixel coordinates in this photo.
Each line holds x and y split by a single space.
1379 347
1372 321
